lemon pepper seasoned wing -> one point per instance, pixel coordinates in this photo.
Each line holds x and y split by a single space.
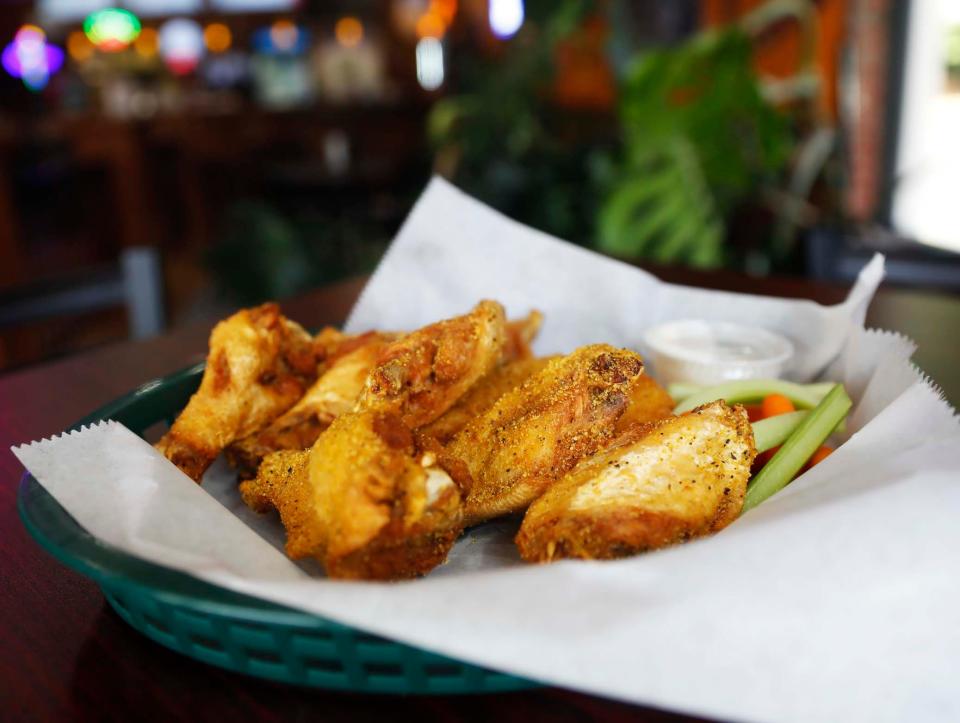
334 393
330 344
538 431
362 501
520 335
482 396
348 361
281 484
516 365
421 375
658 484
648 402
388 514
327 344
259 365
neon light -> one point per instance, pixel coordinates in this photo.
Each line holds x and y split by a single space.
111 29
29 34
30 58
506 17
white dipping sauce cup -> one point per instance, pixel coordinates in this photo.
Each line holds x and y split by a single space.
710 352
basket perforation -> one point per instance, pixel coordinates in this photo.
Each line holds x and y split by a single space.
179 625
443 670
291 658
344 641
224 633
383 669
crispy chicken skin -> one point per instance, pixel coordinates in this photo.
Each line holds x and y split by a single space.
482 396
535 433
281 483
421 375
517 364
658 484
361 500
520 335
387 514
258 366
345 363
648 402
330 344
326 344
334 393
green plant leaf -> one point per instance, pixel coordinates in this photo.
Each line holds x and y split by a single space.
663 210
698 140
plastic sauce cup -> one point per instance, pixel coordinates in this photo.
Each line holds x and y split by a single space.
713 352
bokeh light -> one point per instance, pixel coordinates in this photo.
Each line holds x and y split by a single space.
111 29
225 70
506 17
404 15
431 25
30 58
430 71
79 46
281 38
181 45
283 35
217 37
349 32
147 44
446 9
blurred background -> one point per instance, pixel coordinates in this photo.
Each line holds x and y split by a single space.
164 160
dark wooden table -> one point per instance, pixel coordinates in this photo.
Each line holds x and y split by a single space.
65 654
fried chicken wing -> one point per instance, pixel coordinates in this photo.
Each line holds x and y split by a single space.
281 484
361 500
658 484
326 344
482 396
336 392
520 335
421 375
538 431
259 365
330 344
648 402
388 514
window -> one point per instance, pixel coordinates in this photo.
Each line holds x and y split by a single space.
927 176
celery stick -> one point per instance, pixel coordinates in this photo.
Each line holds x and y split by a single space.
754 390
799 447
768 433
681 390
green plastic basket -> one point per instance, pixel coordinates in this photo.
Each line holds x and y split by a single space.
224 628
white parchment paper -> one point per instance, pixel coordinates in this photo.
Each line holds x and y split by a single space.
838 599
